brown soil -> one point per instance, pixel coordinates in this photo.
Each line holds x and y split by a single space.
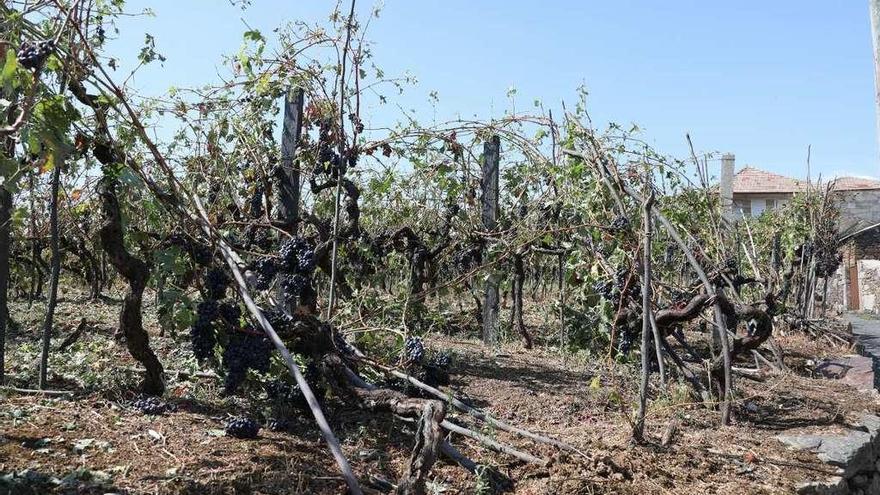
93 443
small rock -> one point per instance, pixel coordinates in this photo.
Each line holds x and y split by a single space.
853 452
833 486
801 442
870 422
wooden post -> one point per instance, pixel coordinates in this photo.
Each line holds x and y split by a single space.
490 213
287 175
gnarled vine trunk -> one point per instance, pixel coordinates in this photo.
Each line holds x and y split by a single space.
136 273
519 278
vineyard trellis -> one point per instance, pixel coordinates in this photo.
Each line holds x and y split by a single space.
635 248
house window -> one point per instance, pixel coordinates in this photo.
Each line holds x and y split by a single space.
742 208
771 204
758 206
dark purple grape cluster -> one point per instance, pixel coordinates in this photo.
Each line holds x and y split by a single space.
306 261
328 162
216 283
669 254
202 331
243 352
604 288
150 405
621 277
292 286
413 350
441 360
279 424
619 224
625 339
241 427
286 394
436 370
258 237
279 320
297 256
31 55
265 270
296 263
230 313
256 202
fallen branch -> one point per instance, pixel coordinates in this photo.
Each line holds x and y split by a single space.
492 444
74 336
472 411
36 392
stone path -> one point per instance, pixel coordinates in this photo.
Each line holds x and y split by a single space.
856 454
866 330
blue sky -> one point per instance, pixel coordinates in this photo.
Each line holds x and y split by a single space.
761 79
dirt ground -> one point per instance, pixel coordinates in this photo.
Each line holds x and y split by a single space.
91 442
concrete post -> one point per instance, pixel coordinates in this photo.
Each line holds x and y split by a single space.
287 175
728 168
874 10
490 213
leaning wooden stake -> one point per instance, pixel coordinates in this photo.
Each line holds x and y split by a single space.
639 427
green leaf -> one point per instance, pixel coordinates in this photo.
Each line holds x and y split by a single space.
254 35
9 67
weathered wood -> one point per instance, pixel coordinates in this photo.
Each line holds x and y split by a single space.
490 212
492 444
74 336
287 174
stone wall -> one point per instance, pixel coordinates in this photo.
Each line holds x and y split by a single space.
858 209
867 245
837 291
855 457
869 285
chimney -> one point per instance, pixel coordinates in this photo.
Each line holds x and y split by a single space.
728 167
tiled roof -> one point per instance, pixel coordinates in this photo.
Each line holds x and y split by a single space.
855 184
753 180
